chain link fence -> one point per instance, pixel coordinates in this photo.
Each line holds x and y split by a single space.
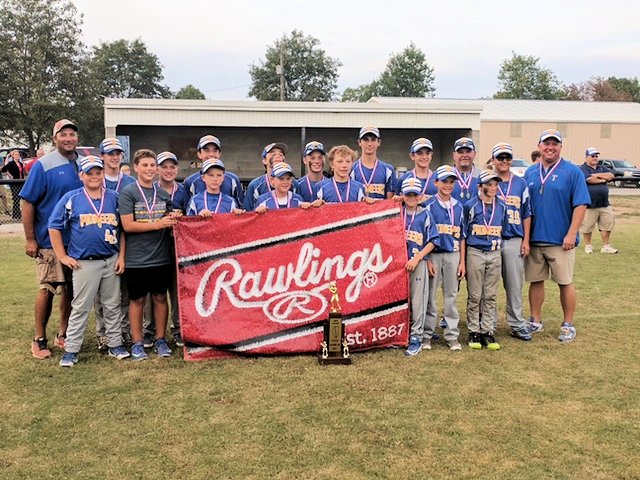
10 201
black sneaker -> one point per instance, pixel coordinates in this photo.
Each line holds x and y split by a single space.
475 341
490 341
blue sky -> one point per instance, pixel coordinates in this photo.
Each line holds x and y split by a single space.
211 44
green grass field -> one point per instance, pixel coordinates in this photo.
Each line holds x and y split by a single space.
531 410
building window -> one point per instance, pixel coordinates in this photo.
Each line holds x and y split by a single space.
563 128
516 130
605 130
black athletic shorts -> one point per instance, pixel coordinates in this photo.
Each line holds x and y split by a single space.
141 281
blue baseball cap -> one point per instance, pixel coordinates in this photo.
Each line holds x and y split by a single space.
280 169
109 145
89 162
464 142
550 133
206 140
591 151
209 164
487 175
312 147
282 146
411 185
501 147
164 156
419 143
445 171
369 130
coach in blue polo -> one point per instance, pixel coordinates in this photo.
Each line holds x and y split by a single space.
559 199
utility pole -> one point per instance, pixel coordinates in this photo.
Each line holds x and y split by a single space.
280 71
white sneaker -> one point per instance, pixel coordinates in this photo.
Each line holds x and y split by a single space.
608 249
588 249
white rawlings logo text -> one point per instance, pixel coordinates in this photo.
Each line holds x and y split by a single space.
287 304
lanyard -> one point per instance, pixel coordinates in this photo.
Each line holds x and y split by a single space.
465 185
174 188
309 185
373 172
266 181
144 199
98 212
544 178
426 182
206 206
448 208
505 195
117 189
484 213
275 200
335 186
413 217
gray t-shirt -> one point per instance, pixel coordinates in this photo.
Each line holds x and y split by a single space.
147 249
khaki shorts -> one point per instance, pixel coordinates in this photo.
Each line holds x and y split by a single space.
543 259
50 273
603 216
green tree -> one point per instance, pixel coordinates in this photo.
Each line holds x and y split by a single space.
126 69
407 74
309 73
630 86
190 92
598 89
521 77
41 56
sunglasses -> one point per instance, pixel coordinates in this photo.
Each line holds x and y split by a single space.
596 155
504 158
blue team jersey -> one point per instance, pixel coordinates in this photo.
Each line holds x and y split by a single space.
179 196
50 178
377 181
552 206
231 185
270 200
117 185
429 188
516 197
339 192
91 233
420 229
305 188
483 226
449 221
258 186
214 202
466 187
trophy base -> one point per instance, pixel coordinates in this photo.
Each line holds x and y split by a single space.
338 360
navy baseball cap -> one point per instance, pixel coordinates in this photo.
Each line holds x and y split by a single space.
109 145
271 146
164 156
464 142
591 151
369 130
206 140
280 169
89 162
419 143
209 164
312 147
501 147
445 171
411 185
487 175
550 133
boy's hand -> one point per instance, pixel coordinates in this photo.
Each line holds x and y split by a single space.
261 209
119 266
412 264
205 213
431 268
461 271
305 205
70 262
239 211
317 203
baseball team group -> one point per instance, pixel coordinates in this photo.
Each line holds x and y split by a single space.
102 238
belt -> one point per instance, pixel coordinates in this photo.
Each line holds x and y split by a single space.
97 257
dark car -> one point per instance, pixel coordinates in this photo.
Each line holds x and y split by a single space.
624 172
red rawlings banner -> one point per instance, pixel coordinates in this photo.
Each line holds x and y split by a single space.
258 284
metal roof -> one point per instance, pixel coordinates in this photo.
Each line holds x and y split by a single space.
494 110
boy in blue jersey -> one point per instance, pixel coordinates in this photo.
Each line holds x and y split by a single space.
464 153
446 264
313 158
147 218
111 152
513 191
271 154
281 196
421 237
212 201
53 175
377 176
484 216
421 152
209 147
95 254
559 199
341 188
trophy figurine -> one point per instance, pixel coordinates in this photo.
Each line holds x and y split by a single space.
334 349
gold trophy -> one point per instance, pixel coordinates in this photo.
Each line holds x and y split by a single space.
334 347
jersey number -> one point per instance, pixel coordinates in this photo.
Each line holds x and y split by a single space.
514 217
111 236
